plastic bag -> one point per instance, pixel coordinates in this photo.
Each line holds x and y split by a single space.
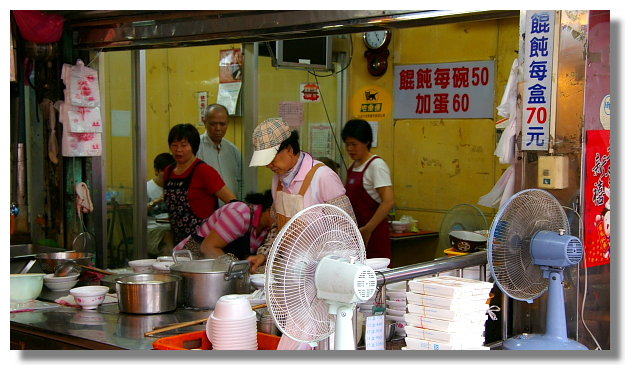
39 27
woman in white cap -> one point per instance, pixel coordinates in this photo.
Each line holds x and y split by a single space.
300 181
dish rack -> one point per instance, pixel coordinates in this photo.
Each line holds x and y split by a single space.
198 341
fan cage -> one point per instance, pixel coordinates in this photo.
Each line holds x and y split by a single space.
290 289
509 253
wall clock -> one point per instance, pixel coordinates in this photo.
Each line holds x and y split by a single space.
377 52
378 39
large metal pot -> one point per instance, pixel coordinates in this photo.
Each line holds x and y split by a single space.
205 281
48 261
147 293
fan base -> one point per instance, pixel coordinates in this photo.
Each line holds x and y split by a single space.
527 341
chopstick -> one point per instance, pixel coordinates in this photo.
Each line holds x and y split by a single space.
188 324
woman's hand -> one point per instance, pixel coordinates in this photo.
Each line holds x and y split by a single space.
256 261
366 232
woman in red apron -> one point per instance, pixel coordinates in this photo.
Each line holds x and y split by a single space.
369 188
191 187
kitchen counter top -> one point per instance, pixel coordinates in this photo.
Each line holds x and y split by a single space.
105 328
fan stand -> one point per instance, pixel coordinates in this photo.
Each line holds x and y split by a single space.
343 324
555 337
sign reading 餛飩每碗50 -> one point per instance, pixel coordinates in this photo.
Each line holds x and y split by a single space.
445 90
538 69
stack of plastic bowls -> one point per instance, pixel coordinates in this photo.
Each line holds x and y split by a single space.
232 324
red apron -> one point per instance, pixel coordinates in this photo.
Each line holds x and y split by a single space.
364 207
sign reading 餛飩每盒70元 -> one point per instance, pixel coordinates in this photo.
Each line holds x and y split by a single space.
538 69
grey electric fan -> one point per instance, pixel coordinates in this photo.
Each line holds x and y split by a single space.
463 216
316 275
528 248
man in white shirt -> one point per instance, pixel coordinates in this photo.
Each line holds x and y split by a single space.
218 152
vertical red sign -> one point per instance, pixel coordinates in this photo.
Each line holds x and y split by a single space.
597 195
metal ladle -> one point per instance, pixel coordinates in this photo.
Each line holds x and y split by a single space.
65 269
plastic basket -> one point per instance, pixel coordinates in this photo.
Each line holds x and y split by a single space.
198 341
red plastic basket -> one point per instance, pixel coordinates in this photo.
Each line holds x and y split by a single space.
198 341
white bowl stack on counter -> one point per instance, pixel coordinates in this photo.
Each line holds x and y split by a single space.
377 264
396 306
232 324
446 313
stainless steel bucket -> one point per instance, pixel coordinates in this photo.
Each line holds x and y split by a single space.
205 281
147 293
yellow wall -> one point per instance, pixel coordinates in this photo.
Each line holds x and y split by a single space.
437 164
118 92
171 89
277 85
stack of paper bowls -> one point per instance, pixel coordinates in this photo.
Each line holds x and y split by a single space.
446 313
377 264
396 306
232 324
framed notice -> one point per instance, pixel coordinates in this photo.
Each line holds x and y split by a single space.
538 69
446 90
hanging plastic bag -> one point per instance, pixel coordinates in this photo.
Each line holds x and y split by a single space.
82 83
39 27
501 189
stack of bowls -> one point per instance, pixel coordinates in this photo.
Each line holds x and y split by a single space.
396 306
60 283
232 324
377 264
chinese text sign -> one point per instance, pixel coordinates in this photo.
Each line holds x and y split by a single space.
446 90
539 49
597 194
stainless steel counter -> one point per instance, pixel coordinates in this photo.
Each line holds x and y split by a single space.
105 328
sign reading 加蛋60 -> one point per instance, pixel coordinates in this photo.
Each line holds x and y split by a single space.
446 90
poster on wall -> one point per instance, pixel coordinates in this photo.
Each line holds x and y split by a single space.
371 103
597 198
309 92
445 90
538 69
321 140
230 80
292 113
231 63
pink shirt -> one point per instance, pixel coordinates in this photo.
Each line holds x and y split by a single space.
231 222
325 186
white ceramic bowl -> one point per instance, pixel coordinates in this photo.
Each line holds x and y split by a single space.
396 287
89 297
141 265
26 286
378 263
397 305
162 267
58 286
257 280
232 307
399 226
396 296
52 279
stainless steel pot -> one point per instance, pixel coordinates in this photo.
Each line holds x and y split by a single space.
204 281
147 293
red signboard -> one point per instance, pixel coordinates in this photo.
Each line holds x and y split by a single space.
597 195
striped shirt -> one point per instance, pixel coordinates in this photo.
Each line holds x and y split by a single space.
231 222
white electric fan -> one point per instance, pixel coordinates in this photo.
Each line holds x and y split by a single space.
528 248
316 275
